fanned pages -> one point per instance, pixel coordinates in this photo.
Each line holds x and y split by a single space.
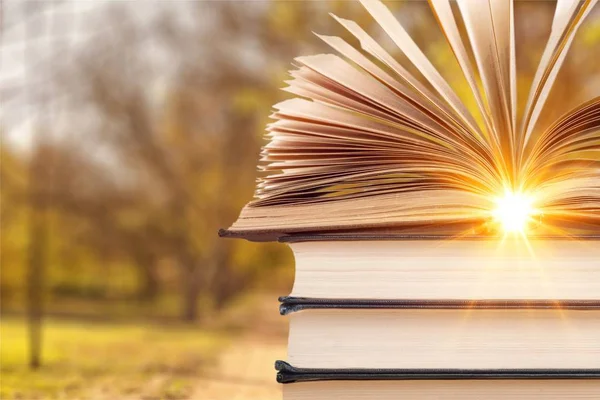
367 145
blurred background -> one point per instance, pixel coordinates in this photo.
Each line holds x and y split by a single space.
130 135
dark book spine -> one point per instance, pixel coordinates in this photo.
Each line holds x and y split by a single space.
287 373
292 304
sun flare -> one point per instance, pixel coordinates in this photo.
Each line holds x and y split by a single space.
514 211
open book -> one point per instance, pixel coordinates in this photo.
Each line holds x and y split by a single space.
368 145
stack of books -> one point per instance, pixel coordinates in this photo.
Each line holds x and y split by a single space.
401 317
444 249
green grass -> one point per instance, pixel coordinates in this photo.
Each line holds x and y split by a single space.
96 360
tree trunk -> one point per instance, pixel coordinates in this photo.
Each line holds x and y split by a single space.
225 283
191 290
38 237
148 274
35 279
150 286
39 185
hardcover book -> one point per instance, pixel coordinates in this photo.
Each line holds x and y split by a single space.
467 318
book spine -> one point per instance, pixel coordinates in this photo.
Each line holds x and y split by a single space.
287 373
291 304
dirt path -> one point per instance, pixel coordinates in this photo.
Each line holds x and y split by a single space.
244 371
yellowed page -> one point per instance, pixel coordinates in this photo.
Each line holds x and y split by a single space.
398 34
443 12
567 19
480 28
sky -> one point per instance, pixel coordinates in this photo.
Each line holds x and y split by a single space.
37 37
